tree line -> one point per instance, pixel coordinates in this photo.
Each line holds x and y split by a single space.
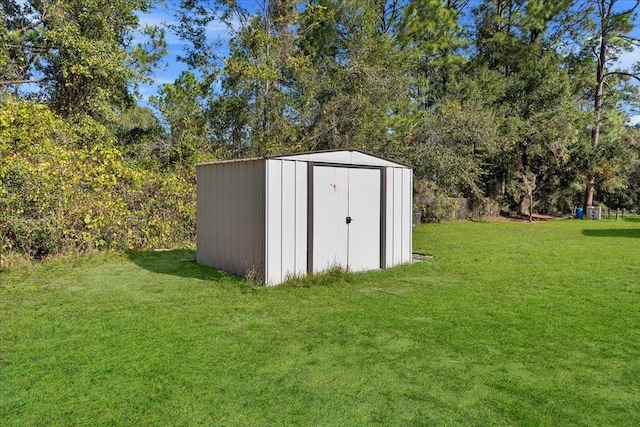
523 102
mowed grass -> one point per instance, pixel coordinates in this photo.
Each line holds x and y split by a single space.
509 324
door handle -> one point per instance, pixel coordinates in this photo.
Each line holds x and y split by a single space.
349 220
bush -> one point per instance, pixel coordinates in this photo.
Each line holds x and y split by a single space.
65 187
36 238
436 207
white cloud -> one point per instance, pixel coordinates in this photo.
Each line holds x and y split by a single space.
628 59
164 81
634 120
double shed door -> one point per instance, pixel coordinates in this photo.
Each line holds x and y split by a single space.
347 217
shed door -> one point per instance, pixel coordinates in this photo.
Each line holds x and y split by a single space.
346 218
364 210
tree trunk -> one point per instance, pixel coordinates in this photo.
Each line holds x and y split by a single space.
523 206
530 207
588 196
605 12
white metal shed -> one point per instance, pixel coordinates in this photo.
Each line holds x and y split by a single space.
278 217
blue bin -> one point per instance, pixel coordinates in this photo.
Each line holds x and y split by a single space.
579 213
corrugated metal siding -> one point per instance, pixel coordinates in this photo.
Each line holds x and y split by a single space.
399 205
230 216
203 222
286 213
302 218
407 215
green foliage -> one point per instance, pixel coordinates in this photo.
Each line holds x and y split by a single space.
434 205
326 75
79 55
181 105
358 83
489 99
450 147
66 187
140 136
485 99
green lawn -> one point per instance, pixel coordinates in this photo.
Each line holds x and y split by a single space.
509 324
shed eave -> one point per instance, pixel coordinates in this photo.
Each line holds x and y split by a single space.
305 156
221 162
345 150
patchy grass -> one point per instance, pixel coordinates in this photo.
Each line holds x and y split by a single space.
509 324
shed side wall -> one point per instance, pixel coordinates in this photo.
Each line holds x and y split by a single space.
230 217
286 225
203 227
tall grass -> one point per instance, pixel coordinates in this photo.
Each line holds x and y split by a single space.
508 324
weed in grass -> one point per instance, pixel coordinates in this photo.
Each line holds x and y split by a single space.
334 276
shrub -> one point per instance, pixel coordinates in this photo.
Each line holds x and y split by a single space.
36 238
65 186
436 207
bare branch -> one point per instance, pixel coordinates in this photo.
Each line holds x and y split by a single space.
633 40
34 24
623 73
608 88
628 11
22 82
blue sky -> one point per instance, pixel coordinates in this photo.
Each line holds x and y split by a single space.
163 14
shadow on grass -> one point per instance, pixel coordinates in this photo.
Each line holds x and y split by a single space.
179 262
633 233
